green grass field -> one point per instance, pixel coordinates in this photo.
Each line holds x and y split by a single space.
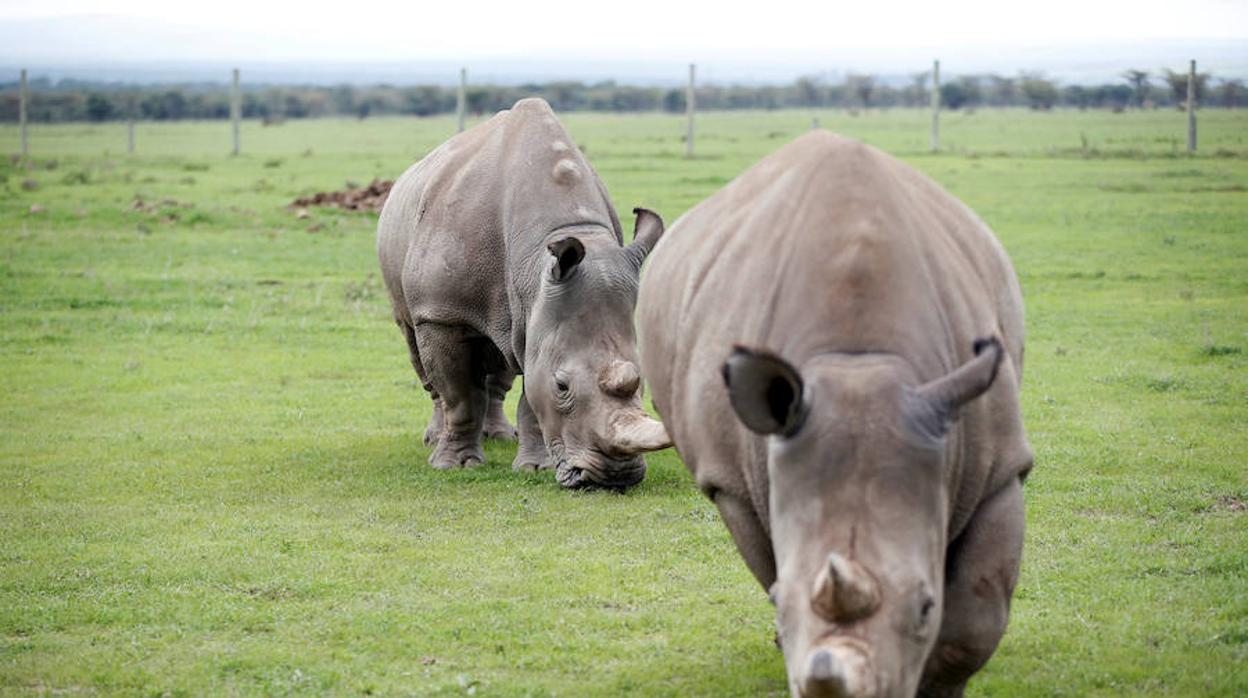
212 480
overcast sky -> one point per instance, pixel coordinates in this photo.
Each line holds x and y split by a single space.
256 29
874 33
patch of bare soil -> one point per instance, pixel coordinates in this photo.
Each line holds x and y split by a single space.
1229 502
367 198
167 210
153 207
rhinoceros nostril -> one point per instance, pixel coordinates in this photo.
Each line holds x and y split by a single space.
570 477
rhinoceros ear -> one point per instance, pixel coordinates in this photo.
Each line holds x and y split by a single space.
568 253
646 233
765 391
965 383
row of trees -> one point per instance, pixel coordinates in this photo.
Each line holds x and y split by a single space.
80 101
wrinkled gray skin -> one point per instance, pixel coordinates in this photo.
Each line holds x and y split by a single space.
503 256
835 345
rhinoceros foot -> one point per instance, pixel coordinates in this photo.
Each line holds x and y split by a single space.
532 460
501 429
447 456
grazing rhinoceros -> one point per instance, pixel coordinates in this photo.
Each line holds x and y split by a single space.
821 338
503 255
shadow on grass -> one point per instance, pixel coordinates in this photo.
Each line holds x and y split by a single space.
384 463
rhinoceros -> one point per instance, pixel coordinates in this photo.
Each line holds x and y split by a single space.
835 345
503 255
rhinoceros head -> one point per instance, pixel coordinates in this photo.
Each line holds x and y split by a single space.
858 509
581 368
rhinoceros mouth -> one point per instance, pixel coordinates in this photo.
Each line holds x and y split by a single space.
598 471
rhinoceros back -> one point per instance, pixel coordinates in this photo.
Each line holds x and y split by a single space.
827 245
456 232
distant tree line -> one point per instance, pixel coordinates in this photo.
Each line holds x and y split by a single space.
72 100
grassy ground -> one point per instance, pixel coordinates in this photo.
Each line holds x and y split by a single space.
211 478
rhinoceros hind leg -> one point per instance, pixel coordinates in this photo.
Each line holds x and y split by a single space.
982 570
447 354
532 454
496 424
433 431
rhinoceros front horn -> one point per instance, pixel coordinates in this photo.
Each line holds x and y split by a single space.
633 432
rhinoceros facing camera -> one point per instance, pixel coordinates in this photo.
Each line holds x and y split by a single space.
835 344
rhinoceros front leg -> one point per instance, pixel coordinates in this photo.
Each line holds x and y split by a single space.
446 353
496 424
747 531
982 570
532 454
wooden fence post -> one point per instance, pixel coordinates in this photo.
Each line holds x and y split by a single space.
131 108
689 109
21 114
1191 108
461 101
236 109
935 105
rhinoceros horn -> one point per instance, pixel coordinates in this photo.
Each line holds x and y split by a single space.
633 432
620 379
837 668
844 591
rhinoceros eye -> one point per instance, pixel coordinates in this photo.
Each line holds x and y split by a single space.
563 393
925 610
927 604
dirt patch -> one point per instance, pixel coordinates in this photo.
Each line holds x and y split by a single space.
1229 502
368 198
166 211
155 207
